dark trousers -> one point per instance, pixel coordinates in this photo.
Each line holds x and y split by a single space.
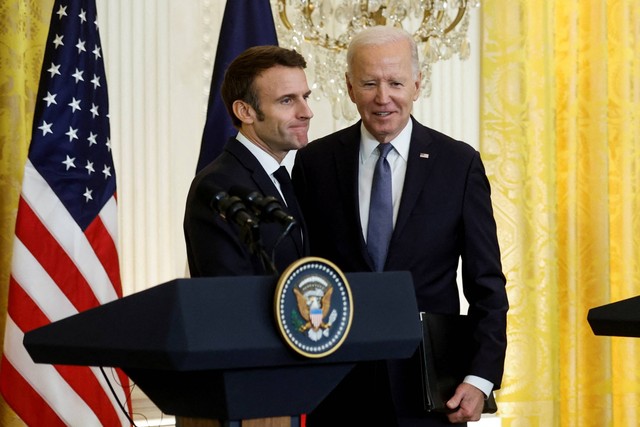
364 399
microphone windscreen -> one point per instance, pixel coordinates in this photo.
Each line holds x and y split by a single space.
209 190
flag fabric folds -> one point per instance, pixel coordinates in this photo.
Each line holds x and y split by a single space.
245 23
65 257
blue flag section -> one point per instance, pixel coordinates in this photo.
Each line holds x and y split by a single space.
245 23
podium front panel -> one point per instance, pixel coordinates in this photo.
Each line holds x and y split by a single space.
210 348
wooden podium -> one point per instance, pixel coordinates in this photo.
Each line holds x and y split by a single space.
208 349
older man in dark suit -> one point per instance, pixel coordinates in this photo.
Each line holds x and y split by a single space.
436 211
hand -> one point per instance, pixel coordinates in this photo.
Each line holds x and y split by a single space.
466 404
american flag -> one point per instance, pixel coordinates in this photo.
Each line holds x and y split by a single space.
65 258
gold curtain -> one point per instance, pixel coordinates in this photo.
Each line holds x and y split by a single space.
23 33
561 139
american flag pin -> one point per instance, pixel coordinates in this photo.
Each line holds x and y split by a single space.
424 155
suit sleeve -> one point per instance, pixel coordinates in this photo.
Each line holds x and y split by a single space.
214 247
482 277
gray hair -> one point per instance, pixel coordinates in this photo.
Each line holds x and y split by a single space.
379 35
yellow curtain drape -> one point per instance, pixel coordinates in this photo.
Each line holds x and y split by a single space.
23 34
561 139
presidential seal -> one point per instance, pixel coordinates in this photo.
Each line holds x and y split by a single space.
313 307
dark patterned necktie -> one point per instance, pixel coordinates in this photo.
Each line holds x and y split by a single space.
286 186
380 210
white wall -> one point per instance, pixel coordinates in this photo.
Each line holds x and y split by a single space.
159 58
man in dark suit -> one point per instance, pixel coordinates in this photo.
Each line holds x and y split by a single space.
265 91
441 212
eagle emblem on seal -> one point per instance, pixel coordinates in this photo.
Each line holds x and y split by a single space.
313 306
313 299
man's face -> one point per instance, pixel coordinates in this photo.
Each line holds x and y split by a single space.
285 114
383 88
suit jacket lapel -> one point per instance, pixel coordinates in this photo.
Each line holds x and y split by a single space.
264 184
253 167
347 159
419 165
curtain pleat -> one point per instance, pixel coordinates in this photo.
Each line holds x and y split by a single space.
561 131
23 34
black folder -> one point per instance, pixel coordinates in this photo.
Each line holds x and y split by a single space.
445 355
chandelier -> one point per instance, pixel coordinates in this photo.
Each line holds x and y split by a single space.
322 29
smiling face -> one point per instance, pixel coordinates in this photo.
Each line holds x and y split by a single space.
382 84
282 121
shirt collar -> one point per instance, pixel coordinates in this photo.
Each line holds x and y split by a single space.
268 163
401 142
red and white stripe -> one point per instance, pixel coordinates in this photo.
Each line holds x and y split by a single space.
57 271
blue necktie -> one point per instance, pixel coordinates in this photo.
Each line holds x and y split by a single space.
380 210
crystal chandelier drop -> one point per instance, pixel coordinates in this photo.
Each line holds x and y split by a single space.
322 29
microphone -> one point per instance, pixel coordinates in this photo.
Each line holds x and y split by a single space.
267 208
230 208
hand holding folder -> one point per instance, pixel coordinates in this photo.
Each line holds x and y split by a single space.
445 356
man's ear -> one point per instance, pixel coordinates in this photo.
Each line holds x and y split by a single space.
418 84
243 111
349 87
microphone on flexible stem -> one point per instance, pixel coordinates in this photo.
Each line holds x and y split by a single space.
230 208
266 208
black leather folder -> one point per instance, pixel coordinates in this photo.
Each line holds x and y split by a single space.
445 356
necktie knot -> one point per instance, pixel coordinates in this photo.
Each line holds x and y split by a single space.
282 175
384 150
286 187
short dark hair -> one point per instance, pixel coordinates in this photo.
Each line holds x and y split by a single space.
243 70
